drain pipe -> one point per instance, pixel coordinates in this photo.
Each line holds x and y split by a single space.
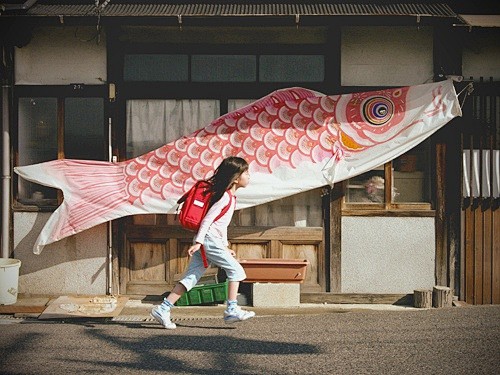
6 177
110 223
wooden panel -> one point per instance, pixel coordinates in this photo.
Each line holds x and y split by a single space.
482 254
156 232
179 259
278 233
335 210
251 250
147 261
495 253
144 219
478 256
417 210
469 255
480 225
155 253
440 227
462 257
300 243
393 299
486 287
309 252
20 309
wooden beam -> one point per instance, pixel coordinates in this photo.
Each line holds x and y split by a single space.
357 298
280 233
441 265
453 202
447 60
388 213
388 185
335 237
21 309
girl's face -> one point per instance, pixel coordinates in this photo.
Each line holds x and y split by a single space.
242 180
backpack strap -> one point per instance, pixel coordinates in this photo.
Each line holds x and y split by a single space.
223 211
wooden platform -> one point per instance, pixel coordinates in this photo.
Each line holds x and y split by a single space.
19 309
30 305
391 299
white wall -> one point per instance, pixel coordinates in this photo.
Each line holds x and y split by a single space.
56 56
481 55
386 56
74 265
387 254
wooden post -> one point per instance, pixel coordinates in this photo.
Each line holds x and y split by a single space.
335 237
441 296
422 298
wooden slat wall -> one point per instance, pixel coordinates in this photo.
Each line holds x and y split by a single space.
495 263
481 214
482 255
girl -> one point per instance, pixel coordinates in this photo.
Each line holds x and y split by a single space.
231 174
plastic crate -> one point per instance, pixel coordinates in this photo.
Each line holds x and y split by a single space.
204 294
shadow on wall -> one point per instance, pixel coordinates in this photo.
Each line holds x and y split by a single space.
91 243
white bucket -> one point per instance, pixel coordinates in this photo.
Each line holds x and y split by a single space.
9 279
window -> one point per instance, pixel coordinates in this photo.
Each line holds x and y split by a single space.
299 210
40 138
292 68
408 187
83 128
37 143
149 67
223 68
368 187
153 123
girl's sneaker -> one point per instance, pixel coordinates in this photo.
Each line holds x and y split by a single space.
163 317
237 315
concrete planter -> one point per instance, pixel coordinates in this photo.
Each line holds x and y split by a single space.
274 270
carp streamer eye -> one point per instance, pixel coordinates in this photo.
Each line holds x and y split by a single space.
377 110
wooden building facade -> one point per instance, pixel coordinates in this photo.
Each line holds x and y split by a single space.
117 80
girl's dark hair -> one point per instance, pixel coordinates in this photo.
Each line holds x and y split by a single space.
225 174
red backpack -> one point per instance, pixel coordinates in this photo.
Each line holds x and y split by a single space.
194 206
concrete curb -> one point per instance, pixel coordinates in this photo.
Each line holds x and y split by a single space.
137 310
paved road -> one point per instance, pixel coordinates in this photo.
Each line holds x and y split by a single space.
462 340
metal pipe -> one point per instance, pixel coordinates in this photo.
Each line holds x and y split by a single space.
110 223
6 176
110 258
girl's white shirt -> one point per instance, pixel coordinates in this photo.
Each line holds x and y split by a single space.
217 229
